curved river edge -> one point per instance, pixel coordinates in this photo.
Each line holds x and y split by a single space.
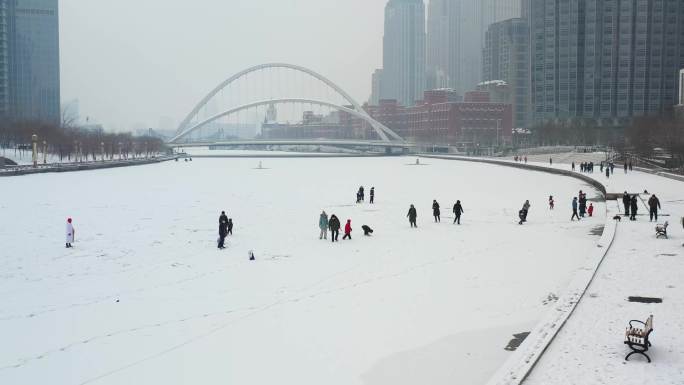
516 369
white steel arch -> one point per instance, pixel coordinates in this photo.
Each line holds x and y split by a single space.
234 110
382 131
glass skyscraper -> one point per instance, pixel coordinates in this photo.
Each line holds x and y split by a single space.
605 60
403 75
506 57
456 36
4 59
32 37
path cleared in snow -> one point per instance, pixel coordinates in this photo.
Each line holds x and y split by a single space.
145 297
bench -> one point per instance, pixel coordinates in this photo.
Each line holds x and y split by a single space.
637 338
661 230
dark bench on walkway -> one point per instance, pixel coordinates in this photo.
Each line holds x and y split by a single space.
661 230
637 337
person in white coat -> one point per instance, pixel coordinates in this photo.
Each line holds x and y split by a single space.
70 232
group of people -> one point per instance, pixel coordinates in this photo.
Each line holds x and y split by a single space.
579 207
225 229
361 195
436 213
631 205
520 158
333 224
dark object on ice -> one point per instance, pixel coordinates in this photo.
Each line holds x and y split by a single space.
435 211
412 215
230 226
637 337
367 230
251 256
515 343
661 230
617 218
645 299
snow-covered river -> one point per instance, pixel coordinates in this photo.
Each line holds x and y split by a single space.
146 298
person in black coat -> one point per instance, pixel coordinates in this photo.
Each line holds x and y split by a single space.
654 205
367 231
634 207
334 225
223 230
626 201
412 215
372 195
435 211
458 210
230 226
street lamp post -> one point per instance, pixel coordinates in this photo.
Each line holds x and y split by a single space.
34 143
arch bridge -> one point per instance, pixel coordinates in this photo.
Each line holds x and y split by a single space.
264 91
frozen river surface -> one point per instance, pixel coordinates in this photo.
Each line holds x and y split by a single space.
146 298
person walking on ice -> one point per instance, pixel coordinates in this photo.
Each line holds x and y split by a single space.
334 225
626 201
574 210
552 203
634 207
458 210
230 226
372 195
323 225
70 233
412 215
347 230
590 210
654 205
524 211
223 230
435 211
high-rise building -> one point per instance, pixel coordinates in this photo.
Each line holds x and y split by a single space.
404 51
456 33
33 65
681 87
376 87
4 58
506 58
605 60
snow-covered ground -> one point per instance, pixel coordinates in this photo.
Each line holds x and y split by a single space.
589 349
145 297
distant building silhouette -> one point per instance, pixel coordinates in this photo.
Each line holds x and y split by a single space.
404 51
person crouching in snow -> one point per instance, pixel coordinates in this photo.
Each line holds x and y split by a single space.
70 233
367 231
590 210
347 230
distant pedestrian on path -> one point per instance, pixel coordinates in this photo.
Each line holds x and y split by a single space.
590 210
625 167
626 201
551 161
552 203
458 210
372 195
612 168
323 225
230 226
630 165
654 205
435 211
412 216
573 166
347 230
634 207
607 172
70 233
574 210
334 225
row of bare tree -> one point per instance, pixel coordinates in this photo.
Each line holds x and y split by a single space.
71 143
644 137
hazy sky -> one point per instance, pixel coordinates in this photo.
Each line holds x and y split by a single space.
131 62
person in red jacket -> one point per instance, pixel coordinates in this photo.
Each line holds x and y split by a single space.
590 210
347 230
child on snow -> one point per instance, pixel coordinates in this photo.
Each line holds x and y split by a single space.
590 210
347 230
70 233
551 202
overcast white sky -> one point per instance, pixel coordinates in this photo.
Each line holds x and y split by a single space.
131 62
